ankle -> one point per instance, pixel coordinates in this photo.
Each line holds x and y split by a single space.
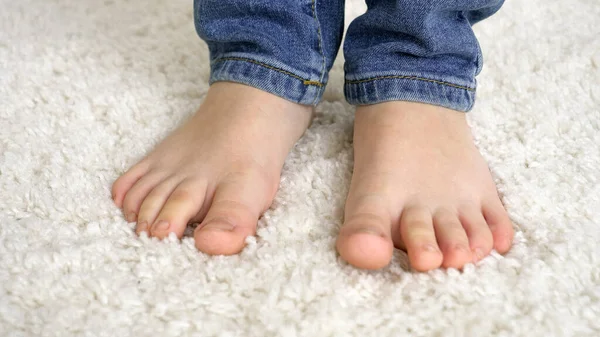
409 118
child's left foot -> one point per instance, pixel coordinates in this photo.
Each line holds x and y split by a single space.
419 184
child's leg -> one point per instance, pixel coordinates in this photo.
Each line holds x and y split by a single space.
222 167
419 182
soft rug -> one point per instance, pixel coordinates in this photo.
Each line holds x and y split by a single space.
88 87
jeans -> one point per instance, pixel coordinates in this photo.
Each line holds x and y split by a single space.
409 50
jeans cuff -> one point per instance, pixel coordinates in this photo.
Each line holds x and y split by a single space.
270 78
449 94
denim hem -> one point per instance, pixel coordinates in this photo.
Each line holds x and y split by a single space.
268 78
409 88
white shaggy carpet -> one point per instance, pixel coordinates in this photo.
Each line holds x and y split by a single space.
88 87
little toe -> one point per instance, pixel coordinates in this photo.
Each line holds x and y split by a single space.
124 183
478 232
138 192
153 203
232 216
183 203
452 239
499 224
418 237
364 241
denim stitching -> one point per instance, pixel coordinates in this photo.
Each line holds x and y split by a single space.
319 38
305 82
409 78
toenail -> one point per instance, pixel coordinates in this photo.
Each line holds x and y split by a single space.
130 217
369 231
161 226
479 254
219 224
143 226
431 248
461 248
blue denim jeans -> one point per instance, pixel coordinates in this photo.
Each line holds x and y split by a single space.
410 50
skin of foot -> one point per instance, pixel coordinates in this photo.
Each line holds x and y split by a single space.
220 169
421 185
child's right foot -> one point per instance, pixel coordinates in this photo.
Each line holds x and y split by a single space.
221 168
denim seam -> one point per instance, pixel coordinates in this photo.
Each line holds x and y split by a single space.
305 82
409 78
320 39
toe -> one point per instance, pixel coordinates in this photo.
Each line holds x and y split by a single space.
364 240
452 239
499 224
122 185
138 192
153 203
418 237
237 204
478 232
182 204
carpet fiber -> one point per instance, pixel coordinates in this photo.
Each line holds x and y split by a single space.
88 87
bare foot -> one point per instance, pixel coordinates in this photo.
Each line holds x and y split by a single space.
421 185
221 168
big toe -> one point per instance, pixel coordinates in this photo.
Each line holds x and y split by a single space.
232 217
221 237
364 241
